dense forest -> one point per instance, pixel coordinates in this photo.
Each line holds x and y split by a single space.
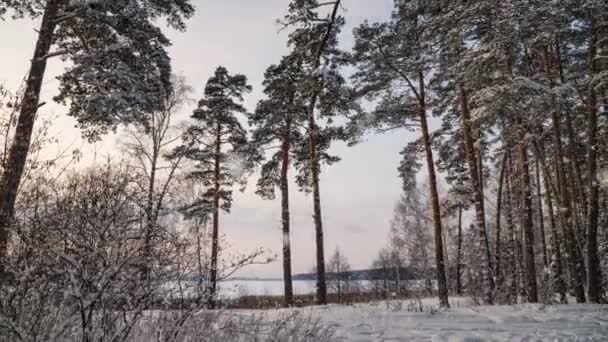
508 101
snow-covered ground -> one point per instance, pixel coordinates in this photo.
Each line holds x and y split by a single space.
403 321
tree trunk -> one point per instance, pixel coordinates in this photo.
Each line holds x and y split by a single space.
555 240
285 147
541 219
318 220
216 217
397 275
477 195
150 215
572 253
518 236
511 228
199 260
30 103
446 258
315 167
578 228
501 179
594 272
459 253
527 224
579 191
439 259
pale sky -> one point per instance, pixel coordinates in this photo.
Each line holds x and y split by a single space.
358 194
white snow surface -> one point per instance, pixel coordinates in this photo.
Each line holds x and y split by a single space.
402 321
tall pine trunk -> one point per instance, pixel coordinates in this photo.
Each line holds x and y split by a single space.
498 251
474 173
315 167
573 256
594 272
216 217
518 237
30 103
459 254
199 260
285 147
565 211
527 224
541 219
438 235
555 240
316 193
512 257
578 189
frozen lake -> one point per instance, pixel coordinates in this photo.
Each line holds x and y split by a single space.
249 287
238 288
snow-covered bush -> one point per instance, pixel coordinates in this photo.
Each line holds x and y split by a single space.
78 268
229 326
76 259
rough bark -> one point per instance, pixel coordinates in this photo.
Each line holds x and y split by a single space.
498 251
577 222
572 252
518 237
199 260
285 148
438 236
573 256
512 257
459 254
555 240
541 218
317 217
579 191
477 194
446 260
527 224
216 216
594 275
30 103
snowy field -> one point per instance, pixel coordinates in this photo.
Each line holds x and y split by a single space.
397 320
404 321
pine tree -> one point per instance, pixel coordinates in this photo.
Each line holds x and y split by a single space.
280 118
596 28
394 61
118 70
217 144
315 40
